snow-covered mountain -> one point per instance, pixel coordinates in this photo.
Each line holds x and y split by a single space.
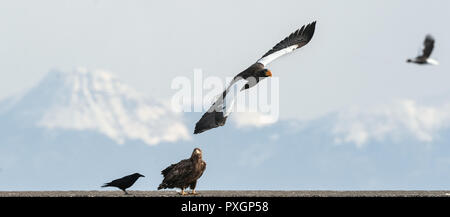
84 100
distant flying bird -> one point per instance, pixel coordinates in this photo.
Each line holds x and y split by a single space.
424 58
124 182
217 114
184 173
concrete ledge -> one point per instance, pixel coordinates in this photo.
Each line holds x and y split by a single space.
227 194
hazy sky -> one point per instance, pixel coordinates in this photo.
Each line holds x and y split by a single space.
357 55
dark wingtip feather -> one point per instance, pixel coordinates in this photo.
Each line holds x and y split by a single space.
197 130
429 38
310 30
304 33
209 121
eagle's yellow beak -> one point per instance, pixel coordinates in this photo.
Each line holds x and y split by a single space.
269 73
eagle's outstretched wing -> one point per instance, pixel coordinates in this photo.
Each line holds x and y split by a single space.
217 114
295 40
428 45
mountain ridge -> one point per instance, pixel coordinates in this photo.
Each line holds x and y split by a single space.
96 100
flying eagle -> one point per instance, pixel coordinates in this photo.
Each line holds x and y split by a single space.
124 182
428 46
217 114
184 173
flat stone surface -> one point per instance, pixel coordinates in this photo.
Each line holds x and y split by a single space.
227 194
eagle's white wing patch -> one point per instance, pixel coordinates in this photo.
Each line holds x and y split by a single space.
266 60
231 96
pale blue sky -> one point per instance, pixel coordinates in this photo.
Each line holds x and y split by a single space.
357 55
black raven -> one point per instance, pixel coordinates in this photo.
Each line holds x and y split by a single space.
124 182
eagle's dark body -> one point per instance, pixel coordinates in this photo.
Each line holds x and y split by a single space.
124 182
185 173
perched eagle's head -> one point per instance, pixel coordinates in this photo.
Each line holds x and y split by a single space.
197 153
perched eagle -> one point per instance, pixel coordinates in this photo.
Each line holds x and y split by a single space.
424 58
184 173
217 114
124 182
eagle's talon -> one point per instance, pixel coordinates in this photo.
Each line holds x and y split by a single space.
182 192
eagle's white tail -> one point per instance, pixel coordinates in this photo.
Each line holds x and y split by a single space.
432 62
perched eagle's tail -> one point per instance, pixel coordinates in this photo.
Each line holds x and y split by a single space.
162 186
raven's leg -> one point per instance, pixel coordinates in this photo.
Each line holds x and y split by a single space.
126 193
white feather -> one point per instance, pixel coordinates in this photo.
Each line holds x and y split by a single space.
231 96
432 62
225 105
267 59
